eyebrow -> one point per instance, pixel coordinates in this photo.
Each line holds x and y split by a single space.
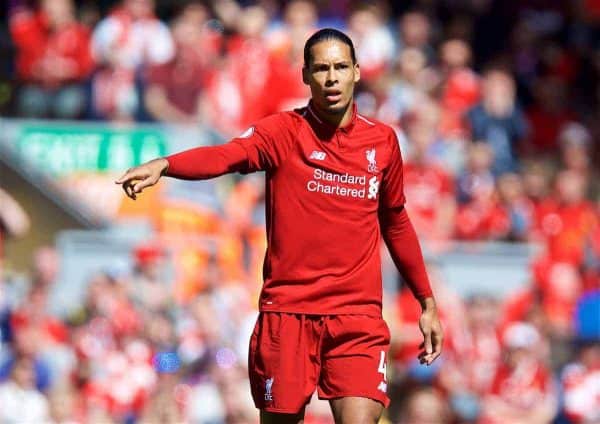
335 63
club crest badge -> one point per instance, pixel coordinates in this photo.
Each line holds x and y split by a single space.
372 168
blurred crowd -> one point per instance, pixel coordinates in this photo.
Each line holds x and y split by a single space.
496 105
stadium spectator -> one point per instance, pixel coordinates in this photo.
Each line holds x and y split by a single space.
520 210
125 41
286 43
20 400
46 266
299 21
429 189
53 355
565 225
53 60
165 404
473 357
477 176
548 115
404 87
537 183
580 384
415 31
482 218
65 404
522 389
460 88
374 42
577 153
146 287
173 90
405 337
424 406
29 342
235 94
498 121
549 303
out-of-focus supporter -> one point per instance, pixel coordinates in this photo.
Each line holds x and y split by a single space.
581 378
473 358
429 188
125 41
372 39
20 400
498 120
53 60
173 90
460 87
522 390
424 405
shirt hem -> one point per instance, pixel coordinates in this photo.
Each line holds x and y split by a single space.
368 311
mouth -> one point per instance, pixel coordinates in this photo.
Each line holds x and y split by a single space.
333 96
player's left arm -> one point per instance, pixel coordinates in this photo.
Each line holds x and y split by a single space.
403 245
405 250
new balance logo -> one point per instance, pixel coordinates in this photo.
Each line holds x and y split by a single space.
382 386
373 188
317 155
268 386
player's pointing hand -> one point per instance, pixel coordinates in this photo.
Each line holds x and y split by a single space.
146 175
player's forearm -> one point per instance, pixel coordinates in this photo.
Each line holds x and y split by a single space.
202 163
402 242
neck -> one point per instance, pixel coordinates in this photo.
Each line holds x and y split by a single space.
338 120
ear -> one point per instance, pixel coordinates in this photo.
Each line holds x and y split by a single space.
305 78
356 73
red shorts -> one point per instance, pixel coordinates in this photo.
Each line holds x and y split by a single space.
340 355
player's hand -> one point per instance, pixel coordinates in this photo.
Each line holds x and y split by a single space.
430 326
146 175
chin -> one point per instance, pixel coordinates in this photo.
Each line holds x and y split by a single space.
337 108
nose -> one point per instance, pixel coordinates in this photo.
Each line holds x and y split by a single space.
331 77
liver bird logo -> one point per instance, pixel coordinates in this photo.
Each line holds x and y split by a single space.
268 386
372 162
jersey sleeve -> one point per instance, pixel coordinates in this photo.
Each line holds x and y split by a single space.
402 242
266 143
261 147
392 185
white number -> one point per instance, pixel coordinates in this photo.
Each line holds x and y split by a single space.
382 367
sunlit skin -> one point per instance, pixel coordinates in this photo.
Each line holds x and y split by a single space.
331 76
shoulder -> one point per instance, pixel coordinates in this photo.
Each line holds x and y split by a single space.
376 126
281 122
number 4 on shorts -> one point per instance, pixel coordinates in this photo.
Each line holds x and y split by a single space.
382 366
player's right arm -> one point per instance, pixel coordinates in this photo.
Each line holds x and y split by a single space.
261 147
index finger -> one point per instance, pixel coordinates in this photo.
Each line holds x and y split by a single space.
437 345
427 341
132 173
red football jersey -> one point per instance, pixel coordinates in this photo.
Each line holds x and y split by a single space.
326 189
